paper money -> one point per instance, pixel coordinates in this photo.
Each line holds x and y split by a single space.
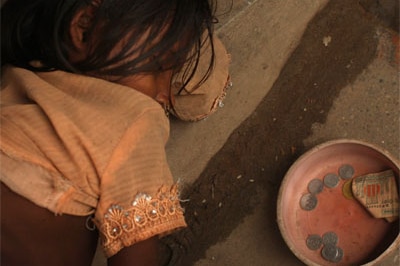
377 192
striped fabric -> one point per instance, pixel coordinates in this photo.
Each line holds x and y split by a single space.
82 146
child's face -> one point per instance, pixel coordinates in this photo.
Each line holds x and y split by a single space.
156 86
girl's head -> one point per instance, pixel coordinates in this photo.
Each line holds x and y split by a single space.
106 38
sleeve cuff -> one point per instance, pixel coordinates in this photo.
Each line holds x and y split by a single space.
147 216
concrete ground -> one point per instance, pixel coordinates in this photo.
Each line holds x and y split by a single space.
304 72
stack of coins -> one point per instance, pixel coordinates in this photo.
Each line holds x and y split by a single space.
330 251
309 200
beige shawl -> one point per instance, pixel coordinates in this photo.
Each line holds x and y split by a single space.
81 146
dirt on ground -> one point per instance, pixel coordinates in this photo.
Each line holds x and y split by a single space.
258 153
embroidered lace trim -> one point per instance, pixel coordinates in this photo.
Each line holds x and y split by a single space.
147 216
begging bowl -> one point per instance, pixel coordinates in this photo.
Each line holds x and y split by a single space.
332 214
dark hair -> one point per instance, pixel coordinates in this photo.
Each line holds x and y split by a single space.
39 30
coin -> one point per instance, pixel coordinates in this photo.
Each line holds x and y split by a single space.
330 252
347 191
308 202
330 238
314 242
315 186
331 180
339 256
346 171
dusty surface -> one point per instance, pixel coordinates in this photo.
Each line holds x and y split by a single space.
260 35
304 72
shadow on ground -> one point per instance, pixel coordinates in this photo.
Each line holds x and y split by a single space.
258 153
